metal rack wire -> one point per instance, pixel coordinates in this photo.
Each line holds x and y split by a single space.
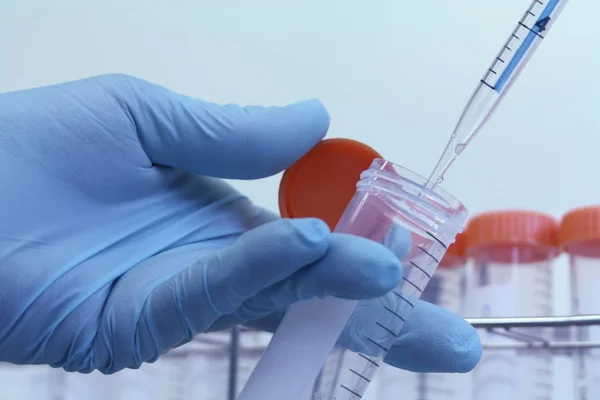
524 332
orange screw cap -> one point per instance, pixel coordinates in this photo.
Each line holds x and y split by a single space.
513 236
322 183
580 232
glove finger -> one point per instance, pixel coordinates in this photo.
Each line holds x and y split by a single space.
263 257
354 268
432 340
435 340
188 302
225 141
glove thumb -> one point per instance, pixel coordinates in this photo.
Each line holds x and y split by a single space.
224 141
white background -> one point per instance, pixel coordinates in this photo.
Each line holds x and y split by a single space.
394 74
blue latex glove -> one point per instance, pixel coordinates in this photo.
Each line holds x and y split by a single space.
118 241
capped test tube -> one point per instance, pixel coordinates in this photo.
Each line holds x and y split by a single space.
251 345
198 369
31 382
580 239
512 254
447 288
213 366
330 346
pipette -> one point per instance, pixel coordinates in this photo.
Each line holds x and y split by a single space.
498 79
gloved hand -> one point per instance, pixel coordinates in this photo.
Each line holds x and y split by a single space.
118 240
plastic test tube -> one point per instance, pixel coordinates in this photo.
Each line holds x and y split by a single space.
30 382
252 344
198 369
580 239
512 254
387 202
446 289
202 369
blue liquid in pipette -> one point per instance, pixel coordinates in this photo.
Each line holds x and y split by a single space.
497 80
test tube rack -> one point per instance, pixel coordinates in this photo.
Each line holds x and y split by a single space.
522 333
561 336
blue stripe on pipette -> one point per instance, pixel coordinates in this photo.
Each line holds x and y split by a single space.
522 50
